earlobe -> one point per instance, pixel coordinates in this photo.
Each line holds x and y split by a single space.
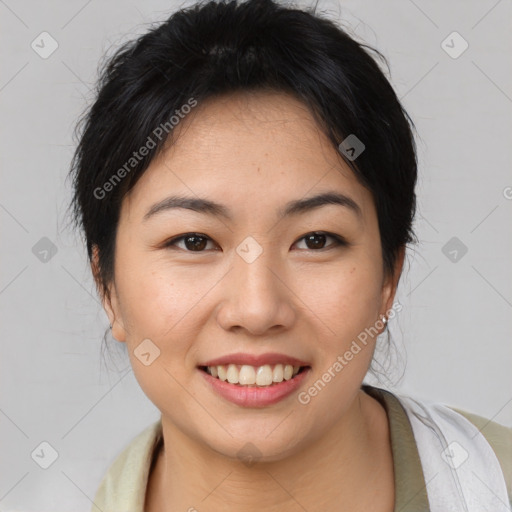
108 299
391 281
111 306
117 329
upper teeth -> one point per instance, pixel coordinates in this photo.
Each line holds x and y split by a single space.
250 375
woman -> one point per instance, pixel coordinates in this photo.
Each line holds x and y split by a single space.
245 182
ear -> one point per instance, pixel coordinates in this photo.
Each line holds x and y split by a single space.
390 283
109 299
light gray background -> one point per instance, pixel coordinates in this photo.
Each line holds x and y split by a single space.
455 329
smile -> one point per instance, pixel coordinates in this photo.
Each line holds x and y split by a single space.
245 391
247 375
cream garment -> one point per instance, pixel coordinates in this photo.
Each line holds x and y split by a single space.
123 487
460 467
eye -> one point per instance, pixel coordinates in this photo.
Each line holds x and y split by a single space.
197 242
193 242
316 240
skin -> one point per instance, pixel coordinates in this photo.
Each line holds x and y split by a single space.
253 153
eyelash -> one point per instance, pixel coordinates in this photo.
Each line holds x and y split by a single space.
338 240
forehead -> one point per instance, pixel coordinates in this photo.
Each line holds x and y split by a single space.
247 148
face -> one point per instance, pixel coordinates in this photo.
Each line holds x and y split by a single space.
297 286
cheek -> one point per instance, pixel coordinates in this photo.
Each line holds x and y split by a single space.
347 306
157 304
345 297
166 304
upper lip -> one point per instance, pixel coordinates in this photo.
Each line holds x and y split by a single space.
255 360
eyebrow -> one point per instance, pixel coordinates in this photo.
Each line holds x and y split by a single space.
295 207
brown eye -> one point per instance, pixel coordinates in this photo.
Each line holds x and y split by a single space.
193 242
197 242
317 240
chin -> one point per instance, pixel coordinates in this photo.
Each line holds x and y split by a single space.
264 443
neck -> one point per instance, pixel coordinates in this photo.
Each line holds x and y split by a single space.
349 468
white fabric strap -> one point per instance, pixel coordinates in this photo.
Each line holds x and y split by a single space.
461 470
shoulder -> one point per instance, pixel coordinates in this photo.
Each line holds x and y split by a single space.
124 483
400 412
499 437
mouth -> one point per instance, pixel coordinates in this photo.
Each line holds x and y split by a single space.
265 376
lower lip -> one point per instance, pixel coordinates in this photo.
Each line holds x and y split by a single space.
254 396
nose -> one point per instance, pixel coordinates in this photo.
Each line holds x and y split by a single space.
257 297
